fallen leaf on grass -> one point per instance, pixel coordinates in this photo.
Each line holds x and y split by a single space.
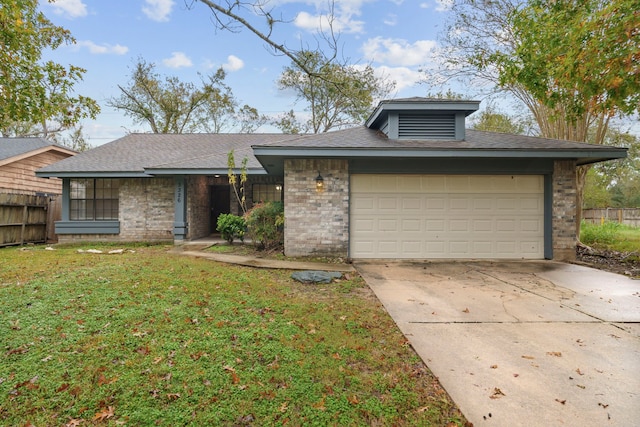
104 414
497 393
235 378
19 350
319 405
353 399
102 380
173 396
74 422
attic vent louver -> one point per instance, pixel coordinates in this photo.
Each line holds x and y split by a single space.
419 125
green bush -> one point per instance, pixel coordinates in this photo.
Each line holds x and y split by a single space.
265 225
231 226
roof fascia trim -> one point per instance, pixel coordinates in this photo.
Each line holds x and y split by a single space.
377 152
101 174
207 171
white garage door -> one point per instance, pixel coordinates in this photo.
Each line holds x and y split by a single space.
447 216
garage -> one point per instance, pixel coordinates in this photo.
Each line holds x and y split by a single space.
446 216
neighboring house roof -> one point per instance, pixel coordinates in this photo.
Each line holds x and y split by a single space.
166 154
147 154
14 149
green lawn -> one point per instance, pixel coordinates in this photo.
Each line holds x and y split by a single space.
152 338
611 236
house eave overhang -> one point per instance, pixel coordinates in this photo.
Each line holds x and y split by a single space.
92 174
147 173
202 171
272 158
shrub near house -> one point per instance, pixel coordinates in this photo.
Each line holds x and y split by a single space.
265 225
231 227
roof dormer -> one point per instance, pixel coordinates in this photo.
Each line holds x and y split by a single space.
422 118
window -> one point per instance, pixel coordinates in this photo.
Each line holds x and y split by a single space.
266 193
93 199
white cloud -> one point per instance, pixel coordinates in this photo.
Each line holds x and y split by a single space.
72 8
233 63
444 5
403 76
341 23
425 5
103 49
391 19
344 16
177 60
399 51
158 10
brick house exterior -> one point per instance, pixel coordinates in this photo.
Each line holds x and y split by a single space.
410 182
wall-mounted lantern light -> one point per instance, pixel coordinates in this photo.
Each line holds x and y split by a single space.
319 183
278 187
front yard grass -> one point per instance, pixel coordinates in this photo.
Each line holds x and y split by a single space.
147 337
611 236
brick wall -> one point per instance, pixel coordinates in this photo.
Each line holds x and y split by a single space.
198 212
564 210
316 223
146 209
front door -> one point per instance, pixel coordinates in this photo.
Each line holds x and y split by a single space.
219 200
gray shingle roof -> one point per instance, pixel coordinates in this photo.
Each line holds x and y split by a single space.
365 138
136 153
12 147
140 154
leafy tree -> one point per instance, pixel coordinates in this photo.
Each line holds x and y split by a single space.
596 191
620 178
74 140
573 77
345 100
171 106
492 120
36 96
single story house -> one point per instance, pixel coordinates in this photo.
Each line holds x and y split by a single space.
411 183
19 160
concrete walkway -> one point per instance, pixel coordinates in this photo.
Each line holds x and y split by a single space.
196 249
521 343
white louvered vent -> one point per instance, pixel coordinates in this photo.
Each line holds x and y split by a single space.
426 126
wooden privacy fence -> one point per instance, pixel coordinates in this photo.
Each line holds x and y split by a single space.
627 216
27 219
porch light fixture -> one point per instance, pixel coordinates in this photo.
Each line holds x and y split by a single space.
278 187
319 183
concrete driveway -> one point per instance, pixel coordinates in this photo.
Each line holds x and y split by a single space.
521 343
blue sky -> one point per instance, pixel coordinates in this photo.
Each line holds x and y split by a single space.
397 37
